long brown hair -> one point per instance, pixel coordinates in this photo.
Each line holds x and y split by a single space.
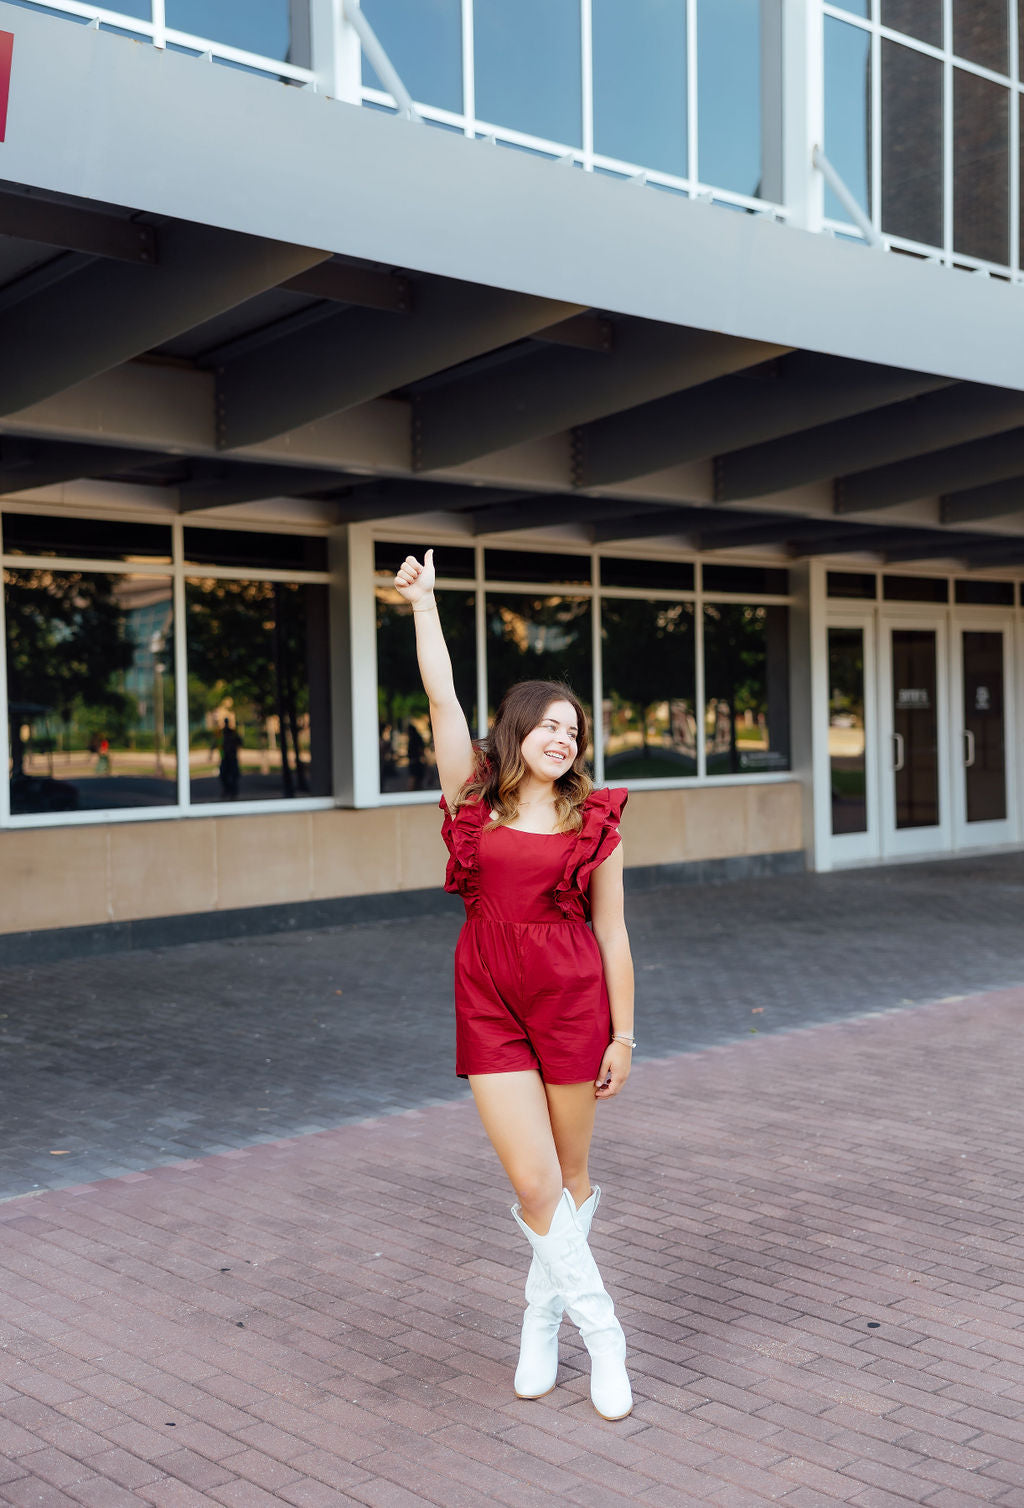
501 769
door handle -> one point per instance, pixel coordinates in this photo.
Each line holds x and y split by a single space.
898 752
969 748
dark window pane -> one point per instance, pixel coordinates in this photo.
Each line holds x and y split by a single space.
406 745
773 581
746 688
237 547
264 28
449 560
984 593
90 688
911 144
852 584
528 67
423 39
846 745
659 575
916 18
650 689
981 33
915 723
640 82
538 639
915 589
729 94
85 538
848 112
981 167
258 687
529 565
985 763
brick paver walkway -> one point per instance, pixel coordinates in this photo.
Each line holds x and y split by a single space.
814 1238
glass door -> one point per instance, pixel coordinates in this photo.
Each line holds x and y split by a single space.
852 741
981 696
916 817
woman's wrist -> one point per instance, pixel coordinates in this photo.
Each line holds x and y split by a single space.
426 604
624 1039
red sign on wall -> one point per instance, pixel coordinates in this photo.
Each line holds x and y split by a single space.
6 50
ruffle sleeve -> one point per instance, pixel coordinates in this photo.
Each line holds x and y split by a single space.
598 837
461 834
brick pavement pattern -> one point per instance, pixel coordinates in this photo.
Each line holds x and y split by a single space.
813 1237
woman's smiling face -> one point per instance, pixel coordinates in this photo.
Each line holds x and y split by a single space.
550 748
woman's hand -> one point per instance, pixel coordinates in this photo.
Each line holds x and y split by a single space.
412 580
614 1071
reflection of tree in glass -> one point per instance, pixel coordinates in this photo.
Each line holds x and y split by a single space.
734 659
538 639
647 659
247 642
400 695
66 649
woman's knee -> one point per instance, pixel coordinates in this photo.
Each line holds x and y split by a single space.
538 1188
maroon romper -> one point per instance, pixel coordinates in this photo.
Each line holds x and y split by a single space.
529 982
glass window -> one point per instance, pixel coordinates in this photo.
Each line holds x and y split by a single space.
915 18
237 547
984 727
915 589
771 580
729 94
640 82
985 593
528 67
264 27
746 688
852 584
258 689
90 691
538 639
650 691
423 39
657 575
528 565
981 33
449 560
85 538
405 744
848 112
846 742
855 7
981 167
911 144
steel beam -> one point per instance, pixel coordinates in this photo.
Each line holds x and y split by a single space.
991 501
532 511
649 525
587 331
73 229
355 355
882 437
108 312
783 398
956 546
223 486
392 499
365 286
868 540
972 465
769 532
42 463
555 390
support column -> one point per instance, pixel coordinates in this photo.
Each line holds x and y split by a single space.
335 55
803 110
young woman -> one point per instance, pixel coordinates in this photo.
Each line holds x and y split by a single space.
543 1004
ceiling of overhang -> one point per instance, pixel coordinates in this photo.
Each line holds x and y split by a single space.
267 342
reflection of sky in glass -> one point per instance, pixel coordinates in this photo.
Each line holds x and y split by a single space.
260 26
423 39
847 111
528 66
640 82
729 94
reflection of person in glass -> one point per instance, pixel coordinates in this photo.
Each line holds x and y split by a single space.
230 743
543 1004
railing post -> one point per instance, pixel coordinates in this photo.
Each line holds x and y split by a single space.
803 110
335 55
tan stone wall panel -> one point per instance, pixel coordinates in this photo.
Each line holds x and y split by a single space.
53 877
716 823
422 854
162 868
774 818
263 860
355 852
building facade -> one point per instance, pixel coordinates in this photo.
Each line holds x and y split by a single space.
687 332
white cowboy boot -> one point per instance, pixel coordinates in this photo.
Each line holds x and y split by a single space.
538 1347
571 1271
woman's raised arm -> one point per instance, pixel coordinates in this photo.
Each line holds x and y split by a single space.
453 745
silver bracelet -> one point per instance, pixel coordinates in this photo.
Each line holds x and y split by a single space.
626 1038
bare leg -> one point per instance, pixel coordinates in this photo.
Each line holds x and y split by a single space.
514 1110
571 1109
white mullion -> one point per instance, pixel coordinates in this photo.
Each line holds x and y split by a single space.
691 91
700 689
178 620
1015 204
479 587
948 237
587 82
597 668
5 741
468 70
159 23
876 128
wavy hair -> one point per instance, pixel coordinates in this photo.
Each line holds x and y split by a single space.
501 769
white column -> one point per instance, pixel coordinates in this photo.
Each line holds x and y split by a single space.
335 55
803 110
